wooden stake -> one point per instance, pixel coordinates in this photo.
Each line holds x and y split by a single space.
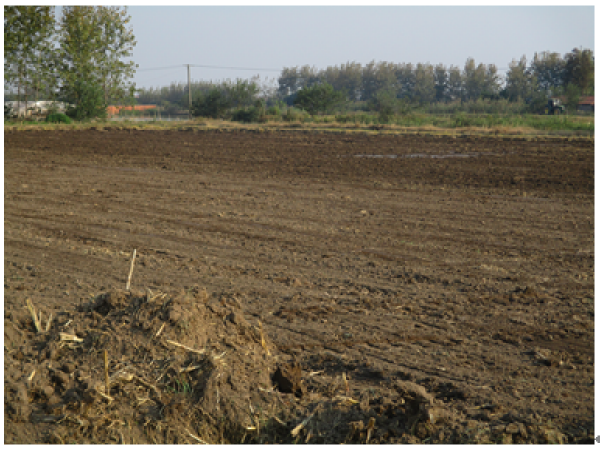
130 271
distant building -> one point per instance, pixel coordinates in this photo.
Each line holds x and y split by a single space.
39 108
586 104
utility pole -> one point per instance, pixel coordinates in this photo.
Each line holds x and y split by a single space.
189 94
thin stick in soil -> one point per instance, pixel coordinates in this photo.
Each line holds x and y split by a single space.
130 271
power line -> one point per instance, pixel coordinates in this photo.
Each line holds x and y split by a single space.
207 67
160 68
235 68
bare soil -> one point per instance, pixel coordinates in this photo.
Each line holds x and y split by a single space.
297 287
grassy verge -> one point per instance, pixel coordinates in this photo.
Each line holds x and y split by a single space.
454 124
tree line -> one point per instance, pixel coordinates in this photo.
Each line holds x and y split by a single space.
76 58
390 88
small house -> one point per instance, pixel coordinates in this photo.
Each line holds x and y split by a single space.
586 104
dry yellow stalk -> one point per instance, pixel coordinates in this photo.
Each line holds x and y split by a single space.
69 337
34 317
102 394
49 322
106 372
185 347
262 338
196 438
296 430
370 428
189 369
160 330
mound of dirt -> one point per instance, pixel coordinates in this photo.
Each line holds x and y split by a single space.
180 369
135 368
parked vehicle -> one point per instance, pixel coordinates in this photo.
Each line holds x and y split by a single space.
555 107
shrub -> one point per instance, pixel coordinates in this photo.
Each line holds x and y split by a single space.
319 98
273 111
88 101
213 104
293 115
58 118
248 115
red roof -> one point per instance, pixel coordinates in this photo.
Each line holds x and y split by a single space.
586 100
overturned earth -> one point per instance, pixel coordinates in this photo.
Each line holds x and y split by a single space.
297 287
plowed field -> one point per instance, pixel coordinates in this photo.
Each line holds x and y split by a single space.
297 287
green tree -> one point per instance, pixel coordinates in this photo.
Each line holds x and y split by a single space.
320 98
242 93
579 69
213 104
405 81
549 70
90 101
424 90
92 42
288 81
520 84
117 42
387 104
573 95
455 84
474 80
491 86
80 35
350 80
377 77
440 77
28 49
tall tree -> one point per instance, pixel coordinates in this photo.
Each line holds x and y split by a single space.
491 86
424 91
289 81
350 80
440 76
80 39
377 77
455 84
520 83
28 48
405 81
579 69
117 42
474 80
92 42
549 70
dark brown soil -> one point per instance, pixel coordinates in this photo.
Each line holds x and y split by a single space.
297 287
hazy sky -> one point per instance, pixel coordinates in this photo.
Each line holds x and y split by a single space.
273 37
